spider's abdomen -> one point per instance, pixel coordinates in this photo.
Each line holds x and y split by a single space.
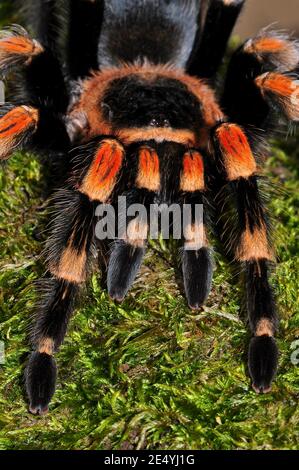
158 31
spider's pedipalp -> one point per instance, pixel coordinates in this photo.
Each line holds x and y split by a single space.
248 240
128 252
196 257
124 264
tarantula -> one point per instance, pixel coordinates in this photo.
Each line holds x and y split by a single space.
127 107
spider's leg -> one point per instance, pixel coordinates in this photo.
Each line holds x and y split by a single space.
69 250
42 79
127 252
209 48
45 18
85 23
261 83
42 95
196 258
248 239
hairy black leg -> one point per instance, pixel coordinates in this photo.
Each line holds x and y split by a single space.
263 352
45 17
69 251
247 237
93 174
261 84
196 258
53 316
208 50
39 57
42 91
85 22
127 252
28 127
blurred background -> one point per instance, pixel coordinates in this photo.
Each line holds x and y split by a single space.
256 15
260 13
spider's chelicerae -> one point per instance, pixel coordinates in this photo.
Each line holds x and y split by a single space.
127 107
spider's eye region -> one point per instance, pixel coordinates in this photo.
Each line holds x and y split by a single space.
159 122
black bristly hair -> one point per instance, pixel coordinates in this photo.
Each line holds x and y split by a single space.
133 102
124 108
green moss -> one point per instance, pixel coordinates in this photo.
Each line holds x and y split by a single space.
148 373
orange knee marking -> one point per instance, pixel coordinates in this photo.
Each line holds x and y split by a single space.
192 177
276 83
285 88
13 127
266 44
17 120
20 45
237 156
101 177
148 171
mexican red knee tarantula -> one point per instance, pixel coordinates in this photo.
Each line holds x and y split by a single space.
132 112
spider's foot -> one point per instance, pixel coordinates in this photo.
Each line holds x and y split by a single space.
16 127
40 382
262 362
124 263
16 48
